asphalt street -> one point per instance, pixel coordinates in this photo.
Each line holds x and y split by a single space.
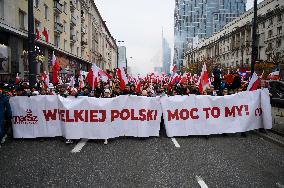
220 161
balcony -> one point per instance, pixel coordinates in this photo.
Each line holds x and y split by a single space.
83 16
58 28
72 5
73 38
83 30
57 7
73 21
84 42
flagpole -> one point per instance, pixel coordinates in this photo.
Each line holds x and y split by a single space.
31 44
253 45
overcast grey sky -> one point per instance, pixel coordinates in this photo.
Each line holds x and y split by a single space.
139 23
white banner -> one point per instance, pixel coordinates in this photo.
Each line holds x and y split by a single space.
205 115
85 117
101 118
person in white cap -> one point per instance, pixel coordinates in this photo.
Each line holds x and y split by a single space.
107 94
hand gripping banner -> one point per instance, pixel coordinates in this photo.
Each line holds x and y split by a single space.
205 115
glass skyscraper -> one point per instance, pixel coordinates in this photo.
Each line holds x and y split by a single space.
195 19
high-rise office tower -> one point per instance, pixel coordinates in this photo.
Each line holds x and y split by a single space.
166 55
201 18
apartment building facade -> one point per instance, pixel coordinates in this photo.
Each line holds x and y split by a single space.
231 46
71 29
199 19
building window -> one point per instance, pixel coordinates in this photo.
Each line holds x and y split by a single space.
22 18
263 25
45 11
72 48
56 19
279 30
271 21
1 8
270 33
77 51
268 57
278 43
77 6
247 61
269 46
64 25
65 7
279 17
36 3
65 44
56 41
37 24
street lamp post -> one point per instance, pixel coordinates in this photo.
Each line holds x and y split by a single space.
253 46
31 44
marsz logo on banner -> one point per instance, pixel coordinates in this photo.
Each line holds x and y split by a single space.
29 118
99 115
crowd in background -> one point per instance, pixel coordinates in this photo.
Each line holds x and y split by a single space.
222 84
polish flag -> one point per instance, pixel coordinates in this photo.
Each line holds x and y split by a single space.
53 59
254 82
45 79
37 35
18 79
274 75
203 81
92 76
104 76
175 79
138 87
183 78
122 78
55 70
81 81
174 68
72 82
45 34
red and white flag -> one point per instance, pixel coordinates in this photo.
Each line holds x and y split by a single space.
37 35
18 79
72 82
81 81
274 75
203 82
183 78
53 59
254 82
174 68
175 79
45 79
138 87
92 76
122 78
55 70
104 76
45 34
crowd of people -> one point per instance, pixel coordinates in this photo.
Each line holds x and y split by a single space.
221 85
150 86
